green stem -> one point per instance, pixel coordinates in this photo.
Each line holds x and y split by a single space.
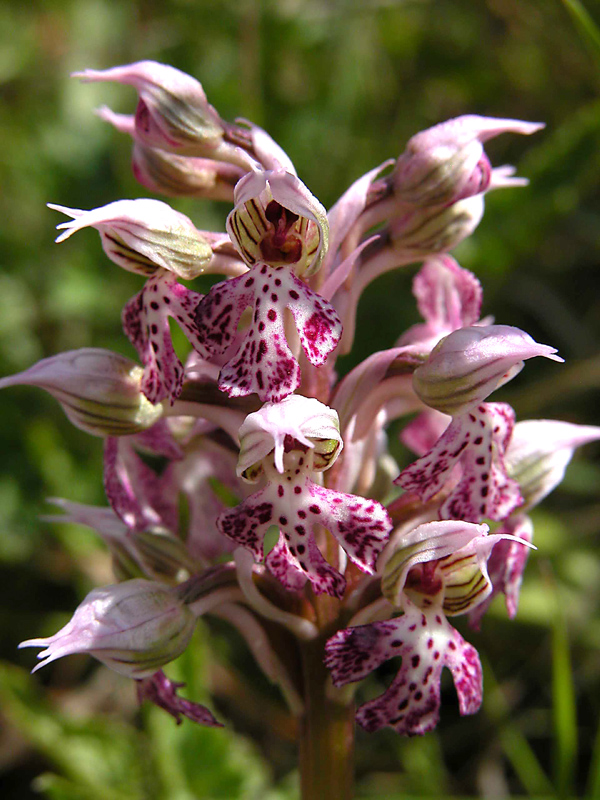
326 731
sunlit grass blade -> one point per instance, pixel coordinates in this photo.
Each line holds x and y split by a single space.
514 744
584 22
564 710
593 787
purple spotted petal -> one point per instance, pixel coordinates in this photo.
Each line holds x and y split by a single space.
505 568
161 691
146 322
477 440
248 523
285 567
448 297
295 504
427 644
361 525
135 492
264 362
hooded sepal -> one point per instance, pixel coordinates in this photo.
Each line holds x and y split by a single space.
133 627
143 236
447 162
100 392
277 221
466 366
172 113
427 643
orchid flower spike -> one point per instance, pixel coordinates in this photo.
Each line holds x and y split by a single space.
281 232
143 236
446 163
437 569
133 627
100 392
287 443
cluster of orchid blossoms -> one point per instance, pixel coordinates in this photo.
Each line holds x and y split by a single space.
258 401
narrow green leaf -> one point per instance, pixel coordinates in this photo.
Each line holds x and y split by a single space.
564 709
584 22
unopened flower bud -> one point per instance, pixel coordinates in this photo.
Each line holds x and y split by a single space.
143 236
276 220
98 390
446 163
172 113
470 363
426 231
184 176
295 423
134 627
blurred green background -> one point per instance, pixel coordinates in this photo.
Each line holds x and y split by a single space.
341 86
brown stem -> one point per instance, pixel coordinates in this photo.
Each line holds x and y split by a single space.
326 731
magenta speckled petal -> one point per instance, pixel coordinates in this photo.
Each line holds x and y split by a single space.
264 362
136 493
477 440
146 322
162 691
284 566
427 643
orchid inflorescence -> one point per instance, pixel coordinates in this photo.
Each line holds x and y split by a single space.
292 494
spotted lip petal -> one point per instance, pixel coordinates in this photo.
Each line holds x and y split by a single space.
162 691
140 497
477 440
448 297
145 321
427 644
263 362
296 504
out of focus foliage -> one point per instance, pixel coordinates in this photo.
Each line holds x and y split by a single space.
341 85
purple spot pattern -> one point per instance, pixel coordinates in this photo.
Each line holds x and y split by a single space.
427 643
161 691
145 321
505 568
477 440
361 526
263 362
136 493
